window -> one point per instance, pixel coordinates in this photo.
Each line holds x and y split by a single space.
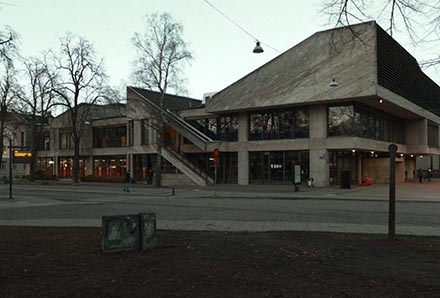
433 135
276 125
144 131
365 123
131 133
22 139
256 127
66 141
302 123
110 136
218 128
228 128
340 121
277 166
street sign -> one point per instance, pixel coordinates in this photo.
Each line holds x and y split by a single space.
216 155
22 156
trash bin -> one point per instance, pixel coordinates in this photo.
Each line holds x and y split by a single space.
345 179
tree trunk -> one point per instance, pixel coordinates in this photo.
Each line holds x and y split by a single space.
75 175
158 166
2 129
34 149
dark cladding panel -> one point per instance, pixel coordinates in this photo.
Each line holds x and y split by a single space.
399 72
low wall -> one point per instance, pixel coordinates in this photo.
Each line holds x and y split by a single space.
176 180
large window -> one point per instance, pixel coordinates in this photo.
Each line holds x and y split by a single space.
66 141
277 166
276 125
228 126
144 131
432 135
365 123
218 128
113 166
131 133
110 136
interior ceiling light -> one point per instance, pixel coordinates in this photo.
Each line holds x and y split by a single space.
381 101
258 49
333 83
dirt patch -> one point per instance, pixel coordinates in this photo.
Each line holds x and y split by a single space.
68 262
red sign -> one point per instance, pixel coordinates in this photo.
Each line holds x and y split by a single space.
216 155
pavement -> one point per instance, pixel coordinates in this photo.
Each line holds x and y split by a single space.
410 192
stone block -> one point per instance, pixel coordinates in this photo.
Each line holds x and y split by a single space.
120 233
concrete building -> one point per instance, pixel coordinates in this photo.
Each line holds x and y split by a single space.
18 130
330 105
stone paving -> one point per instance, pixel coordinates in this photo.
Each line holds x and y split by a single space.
413 192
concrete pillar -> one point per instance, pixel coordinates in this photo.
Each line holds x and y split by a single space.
129 160
359 167
55 169
243 153
243 167
318 154
137 133
89 165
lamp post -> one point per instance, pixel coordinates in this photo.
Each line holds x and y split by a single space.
392 194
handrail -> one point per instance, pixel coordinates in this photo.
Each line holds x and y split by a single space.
182 121
188 163
195 132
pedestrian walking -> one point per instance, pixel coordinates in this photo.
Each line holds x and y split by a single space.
127 181
420 174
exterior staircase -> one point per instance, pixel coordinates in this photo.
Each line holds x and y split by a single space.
202 141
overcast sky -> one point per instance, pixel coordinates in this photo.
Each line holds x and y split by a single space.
222 52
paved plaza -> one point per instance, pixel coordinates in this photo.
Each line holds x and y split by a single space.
253 208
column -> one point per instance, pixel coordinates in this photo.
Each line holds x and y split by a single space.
89 164
243 153
318 154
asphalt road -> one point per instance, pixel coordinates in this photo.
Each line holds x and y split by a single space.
90 202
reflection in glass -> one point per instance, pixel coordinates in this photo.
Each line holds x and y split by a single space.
279 125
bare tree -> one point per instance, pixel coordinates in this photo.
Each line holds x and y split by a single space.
38 102
9 90
420 19
81 84
8 44
161 56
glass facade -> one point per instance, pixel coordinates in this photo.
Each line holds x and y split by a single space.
144 131
113 166
218 128
277 167
351 120
45 165
143 165
65 167
433 135
274 125
227 168
65 140
110 136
